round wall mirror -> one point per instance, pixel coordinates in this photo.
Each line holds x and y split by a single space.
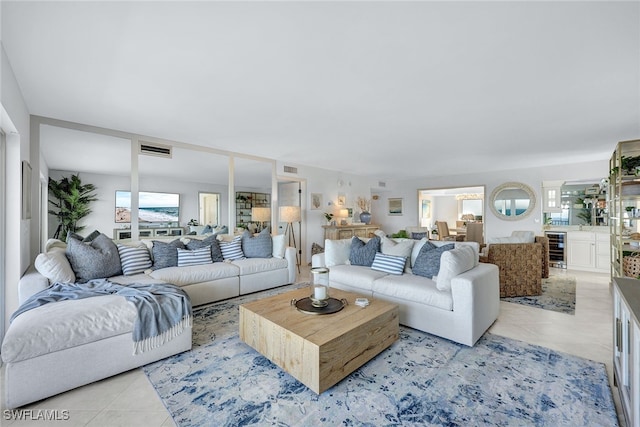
512 201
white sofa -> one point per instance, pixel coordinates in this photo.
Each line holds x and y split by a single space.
461 314
63 345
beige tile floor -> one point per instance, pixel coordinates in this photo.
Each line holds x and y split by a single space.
130 400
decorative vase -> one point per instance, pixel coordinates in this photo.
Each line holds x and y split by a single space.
365 217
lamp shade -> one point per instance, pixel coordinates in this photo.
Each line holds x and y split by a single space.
290 213
344 213
261 214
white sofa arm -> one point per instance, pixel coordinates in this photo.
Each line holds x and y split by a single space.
476 297
32 282
317 260
292 266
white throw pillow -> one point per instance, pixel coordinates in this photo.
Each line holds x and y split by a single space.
279 245
55 266
336 252
402 248
453 263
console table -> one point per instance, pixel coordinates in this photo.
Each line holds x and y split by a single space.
336 232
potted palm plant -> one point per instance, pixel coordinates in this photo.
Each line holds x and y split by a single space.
70 199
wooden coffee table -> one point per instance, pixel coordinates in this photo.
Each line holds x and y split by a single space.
318 350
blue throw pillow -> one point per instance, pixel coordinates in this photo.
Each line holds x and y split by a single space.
418 236
97 259
260 246
165 254
428 261
216 253
364 253
389 263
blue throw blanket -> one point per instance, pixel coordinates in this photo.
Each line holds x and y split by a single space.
163 310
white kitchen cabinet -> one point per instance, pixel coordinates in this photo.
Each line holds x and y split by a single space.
587 250
626 346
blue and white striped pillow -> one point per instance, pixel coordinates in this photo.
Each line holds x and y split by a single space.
232 250
134 259
389 263
194 257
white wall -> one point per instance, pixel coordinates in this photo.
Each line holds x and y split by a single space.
495 227
329 184
18 231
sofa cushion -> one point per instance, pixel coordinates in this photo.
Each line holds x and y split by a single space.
413 288
355 275
55 266
336 252
428 260
200 256
182 276
232 250
93 260
260 246
65 324
389 263
216 253
258 265
165 254
362 253
453 263
134 259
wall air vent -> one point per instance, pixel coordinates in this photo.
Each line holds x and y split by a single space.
382 184
155 149
290 169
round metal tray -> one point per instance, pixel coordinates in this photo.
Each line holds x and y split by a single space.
304 305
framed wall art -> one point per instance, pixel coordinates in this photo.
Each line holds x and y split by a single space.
395 206
316 201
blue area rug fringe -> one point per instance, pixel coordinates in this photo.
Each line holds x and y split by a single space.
420 380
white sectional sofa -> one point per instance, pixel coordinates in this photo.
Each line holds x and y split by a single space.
63 345
461 311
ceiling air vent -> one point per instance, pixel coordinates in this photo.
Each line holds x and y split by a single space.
290 169
155 150
382 184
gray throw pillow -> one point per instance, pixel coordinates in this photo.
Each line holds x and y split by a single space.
90 237
428 261
260 246
166 254
364 253
97 259
216 253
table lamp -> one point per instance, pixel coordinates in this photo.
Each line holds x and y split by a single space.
260 215
344 214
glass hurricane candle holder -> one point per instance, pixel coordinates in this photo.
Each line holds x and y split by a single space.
319 286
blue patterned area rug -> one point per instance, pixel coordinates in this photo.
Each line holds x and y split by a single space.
420 380
558 294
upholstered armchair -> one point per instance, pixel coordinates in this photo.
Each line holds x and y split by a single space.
522 266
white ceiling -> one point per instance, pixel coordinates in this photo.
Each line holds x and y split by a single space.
389 90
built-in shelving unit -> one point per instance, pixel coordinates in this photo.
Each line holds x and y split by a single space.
623 202
247 200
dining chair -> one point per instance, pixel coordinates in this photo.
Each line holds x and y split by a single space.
475 233
443 232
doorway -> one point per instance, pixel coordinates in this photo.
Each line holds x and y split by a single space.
457 206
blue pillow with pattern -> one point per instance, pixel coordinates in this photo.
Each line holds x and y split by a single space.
364 253
428 261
